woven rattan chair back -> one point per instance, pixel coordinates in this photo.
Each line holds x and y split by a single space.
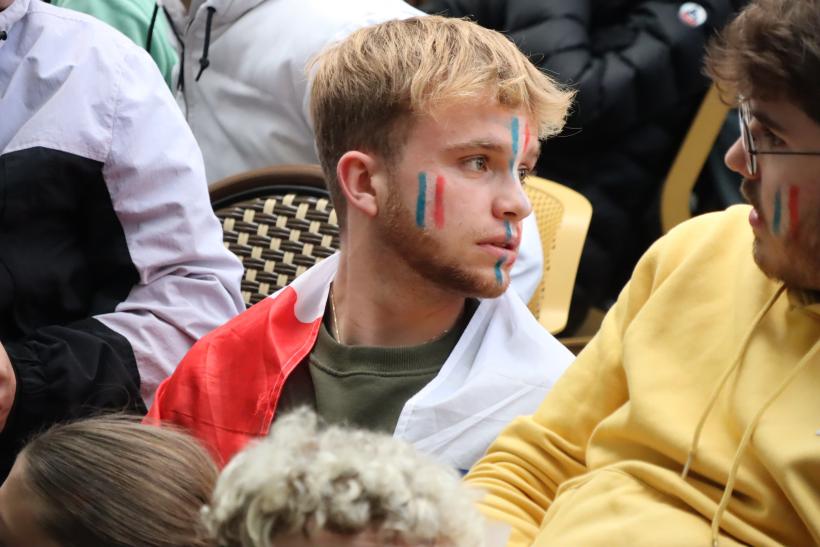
279 221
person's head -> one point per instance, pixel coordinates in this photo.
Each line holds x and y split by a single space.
307 485
424 129
107 482
5 3
769 57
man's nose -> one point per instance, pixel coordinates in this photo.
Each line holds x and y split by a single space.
735 159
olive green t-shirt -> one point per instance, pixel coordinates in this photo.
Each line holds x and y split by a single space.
367 386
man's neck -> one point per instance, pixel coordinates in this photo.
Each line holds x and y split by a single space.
378 305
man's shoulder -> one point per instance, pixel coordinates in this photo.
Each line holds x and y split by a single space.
700 257
75 46
81 31
721 236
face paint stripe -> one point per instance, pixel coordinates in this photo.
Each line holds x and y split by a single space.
794 214
514 131
526 136
777 207
421 201
438 204
508 228
499 277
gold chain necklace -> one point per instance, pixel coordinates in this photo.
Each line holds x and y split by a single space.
335 321
337 332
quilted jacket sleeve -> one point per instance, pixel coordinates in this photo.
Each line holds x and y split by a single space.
628 60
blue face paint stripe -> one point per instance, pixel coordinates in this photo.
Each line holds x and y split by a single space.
777 207
508 228
499 277
421 202
514 130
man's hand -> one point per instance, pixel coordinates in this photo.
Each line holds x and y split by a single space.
8 386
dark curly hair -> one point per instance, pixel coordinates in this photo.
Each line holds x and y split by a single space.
771 51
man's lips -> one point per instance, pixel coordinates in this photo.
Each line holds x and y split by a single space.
750 192
502 248
756 219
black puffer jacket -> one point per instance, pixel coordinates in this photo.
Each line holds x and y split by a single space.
637 67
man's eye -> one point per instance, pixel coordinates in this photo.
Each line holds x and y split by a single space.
769 139
477 163
523 173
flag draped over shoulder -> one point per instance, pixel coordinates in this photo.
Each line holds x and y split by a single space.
226 389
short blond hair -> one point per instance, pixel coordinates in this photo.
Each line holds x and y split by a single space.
368 88
304 479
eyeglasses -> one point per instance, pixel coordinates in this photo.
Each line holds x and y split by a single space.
744 114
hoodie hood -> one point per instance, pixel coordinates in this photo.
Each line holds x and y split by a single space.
225 12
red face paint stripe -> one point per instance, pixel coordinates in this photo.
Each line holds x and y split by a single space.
438 216
526 136
794 214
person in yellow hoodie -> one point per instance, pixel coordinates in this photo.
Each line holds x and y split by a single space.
693 417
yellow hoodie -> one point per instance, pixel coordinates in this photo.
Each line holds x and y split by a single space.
699 337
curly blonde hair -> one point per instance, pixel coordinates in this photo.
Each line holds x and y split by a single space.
304 479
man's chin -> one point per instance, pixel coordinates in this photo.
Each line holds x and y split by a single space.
474 285
782 269
492 290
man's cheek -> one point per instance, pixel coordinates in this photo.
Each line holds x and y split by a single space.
786 212
430 201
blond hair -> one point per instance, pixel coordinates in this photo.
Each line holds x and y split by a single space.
304 479
368 88
113 482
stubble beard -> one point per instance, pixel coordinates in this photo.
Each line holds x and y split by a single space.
425 255
798 263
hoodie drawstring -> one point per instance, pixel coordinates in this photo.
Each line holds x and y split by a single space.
203 61
746 439
151 28
713 398
747 434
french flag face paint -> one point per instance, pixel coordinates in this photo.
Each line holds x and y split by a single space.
430 201
786 217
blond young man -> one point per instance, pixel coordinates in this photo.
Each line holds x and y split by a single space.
426 128
243 88
692 417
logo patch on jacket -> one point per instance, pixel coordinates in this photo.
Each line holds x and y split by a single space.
692 14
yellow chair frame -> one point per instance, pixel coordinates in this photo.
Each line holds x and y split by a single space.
682 176
563 216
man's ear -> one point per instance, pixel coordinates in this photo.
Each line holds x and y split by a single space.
355 172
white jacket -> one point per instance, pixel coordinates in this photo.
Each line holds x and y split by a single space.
250 106
112 259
